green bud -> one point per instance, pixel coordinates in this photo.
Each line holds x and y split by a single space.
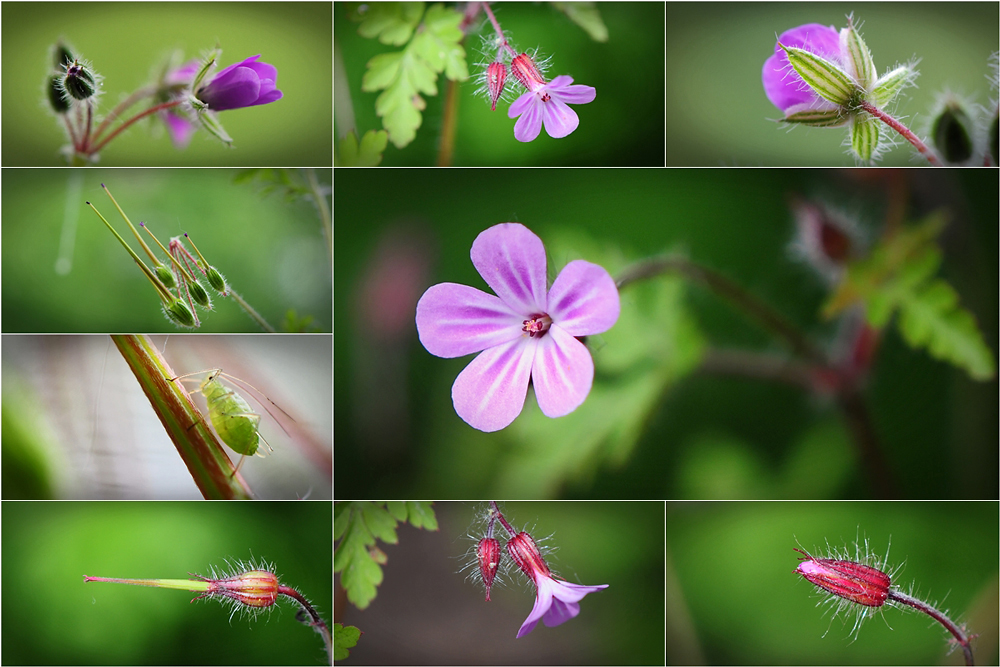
951 134
216 280
57 100
199 295
165 275
62 57
178 312
79 82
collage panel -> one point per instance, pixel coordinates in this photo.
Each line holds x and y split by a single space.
243 563
832 84
139 84
502 583
832 583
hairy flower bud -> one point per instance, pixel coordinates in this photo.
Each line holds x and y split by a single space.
496 76
952 133
178 312
850 580
57 101
79 81
253 588
524 551
523 67
488 552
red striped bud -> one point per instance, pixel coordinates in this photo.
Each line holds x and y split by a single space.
488 553
850 580
524 551
254 588
496 76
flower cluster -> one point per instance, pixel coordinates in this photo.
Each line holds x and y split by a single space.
542 102
556 601
525 332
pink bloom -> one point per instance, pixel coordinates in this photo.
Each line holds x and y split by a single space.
556 601
525 332
783 86
545 103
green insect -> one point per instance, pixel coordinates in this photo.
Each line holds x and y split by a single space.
232 417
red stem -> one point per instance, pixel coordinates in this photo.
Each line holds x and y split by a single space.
904 131
133 119
510 529
939 616
496 26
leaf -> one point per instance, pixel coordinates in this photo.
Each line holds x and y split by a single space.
422 515
587 16
392 22
380 523
344 637
368 154
440 44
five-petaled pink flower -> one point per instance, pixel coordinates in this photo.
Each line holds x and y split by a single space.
524 332
545 102
556 601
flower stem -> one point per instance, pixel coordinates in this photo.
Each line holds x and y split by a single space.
316 621
122 106
510 529
496 26
904 131
248 309
134 119
176 584
959 633
319 199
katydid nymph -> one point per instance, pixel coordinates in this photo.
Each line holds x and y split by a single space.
233 419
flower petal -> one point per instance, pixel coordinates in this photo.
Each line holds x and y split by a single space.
455 320
489 393
238 88
584 299
559 119
520 105
562 373
529 125
543 600
511 259
561 89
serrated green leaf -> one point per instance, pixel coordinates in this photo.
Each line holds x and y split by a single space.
382 72
392 22
587 16
360 574
367 154
380 522
341 518
397 508
443 49
344 637
422 515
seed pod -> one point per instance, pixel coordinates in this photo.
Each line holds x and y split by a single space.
165 275
178 312
199 295
79 82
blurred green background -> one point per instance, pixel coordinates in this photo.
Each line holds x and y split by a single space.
650 428
426 612
127 41
623 126
732 597
270 250
48 547
77 425
718 114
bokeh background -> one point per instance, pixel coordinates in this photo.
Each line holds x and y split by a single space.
427 613
652 426
77 425
718 114
64 272
48 547
732 597
623 126
127 41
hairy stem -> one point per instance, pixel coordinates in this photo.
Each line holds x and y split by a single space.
316 621
248 309
319 200
904 132
134 119
958 632
122 106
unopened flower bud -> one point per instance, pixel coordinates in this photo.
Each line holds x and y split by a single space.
846 579
496 76
79 81
57 100
524 551
952 133
523 67
62 57
254 588
488 553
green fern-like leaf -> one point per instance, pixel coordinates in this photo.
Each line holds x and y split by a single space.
344 637
391 22
366 153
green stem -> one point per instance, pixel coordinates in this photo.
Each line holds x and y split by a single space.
250 311
196 443
449 125
319 199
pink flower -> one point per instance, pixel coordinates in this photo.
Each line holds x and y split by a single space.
782 85
525 332
545 103
556 601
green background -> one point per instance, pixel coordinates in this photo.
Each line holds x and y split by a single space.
271 251
623 126
126 41
732 597
706 436
718 114
48 547
428 612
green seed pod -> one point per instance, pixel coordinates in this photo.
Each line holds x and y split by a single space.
79 82
199 295
165 275
952 135
61 56
178 312
216 280
57 100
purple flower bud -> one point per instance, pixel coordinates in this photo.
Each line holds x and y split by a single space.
244 84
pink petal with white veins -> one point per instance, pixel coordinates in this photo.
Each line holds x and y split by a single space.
561 89
489 393
529 125
455 320
562 373
584 299
511 259
560 120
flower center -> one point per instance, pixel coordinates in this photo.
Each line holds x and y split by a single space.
537 325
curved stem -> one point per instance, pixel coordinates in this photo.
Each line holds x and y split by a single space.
496 26
122 106
248 309
958 632
121 128
316 621
904 131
